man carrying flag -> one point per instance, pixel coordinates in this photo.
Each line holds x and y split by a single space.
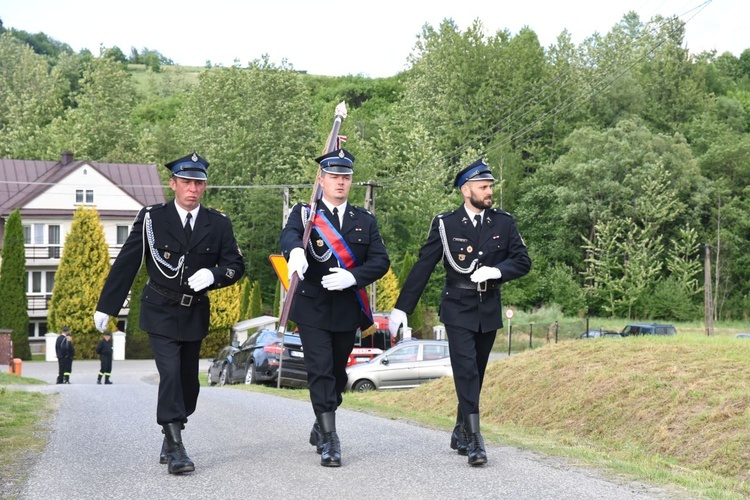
345 254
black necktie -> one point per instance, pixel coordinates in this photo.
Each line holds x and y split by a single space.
336 221
478 225
188 227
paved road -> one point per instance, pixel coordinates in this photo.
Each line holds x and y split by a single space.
105 445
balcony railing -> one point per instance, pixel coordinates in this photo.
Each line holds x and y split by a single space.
41 302
54 252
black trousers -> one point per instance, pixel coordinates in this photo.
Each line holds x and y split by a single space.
470 352
179 381
105 365
326 355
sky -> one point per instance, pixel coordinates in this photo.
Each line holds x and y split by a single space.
371 38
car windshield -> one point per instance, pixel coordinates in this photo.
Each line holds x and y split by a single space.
404 354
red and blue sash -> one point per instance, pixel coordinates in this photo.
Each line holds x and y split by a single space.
342 252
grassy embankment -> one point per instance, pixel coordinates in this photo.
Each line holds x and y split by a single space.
665 410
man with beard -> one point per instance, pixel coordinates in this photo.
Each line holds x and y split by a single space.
481 248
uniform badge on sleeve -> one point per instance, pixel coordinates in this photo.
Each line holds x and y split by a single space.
319 243
230 273
167 255
461 257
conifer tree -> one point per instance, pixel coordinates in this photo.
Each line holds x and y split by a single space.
225 312
245 286
387 287
14 313
83 268
256 301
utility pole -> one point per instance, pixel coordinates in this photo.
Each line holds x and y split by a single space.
708 305
370 205
284 217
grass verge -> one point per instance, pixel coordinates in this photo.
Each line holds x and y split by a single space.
24 418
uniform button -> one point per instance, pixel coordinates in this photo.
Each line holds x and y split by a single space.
481 252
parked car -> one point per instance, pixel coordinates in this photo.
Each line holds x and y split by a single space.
594 334
408 364
257 361
217 371
647 329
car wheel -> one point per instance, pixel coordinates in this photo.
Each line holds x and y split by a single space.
210 381
363 385
223 377
251 376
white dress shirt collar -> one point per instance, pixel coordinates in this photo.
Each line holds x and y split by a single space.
183 214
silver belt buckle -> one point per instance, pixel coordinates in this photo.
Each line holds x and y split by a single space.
187 300
482 286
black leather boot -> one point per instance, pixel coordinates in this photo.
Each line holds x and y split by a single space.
458 438
99 379
106 380
66 379
330 455
476 451
316 438
178 461
164 454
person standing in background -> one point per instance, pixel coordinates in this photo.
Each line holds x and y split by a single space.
104 350
65 354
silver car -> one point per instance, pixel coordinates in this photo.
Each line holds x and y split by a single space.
408 364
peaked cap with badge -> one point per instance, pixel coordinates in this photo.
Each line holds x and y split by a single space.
338 161
191 166
477 171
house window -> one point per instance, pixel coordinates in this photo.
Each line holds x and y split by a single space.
40 282
53 237
27 235
85 196
122 234
37 329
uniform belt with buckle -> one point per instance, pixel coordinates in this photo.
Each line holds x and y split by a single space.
484 286
183 299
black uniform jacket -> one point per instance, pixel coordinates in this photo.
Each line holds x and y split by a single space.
336 311
212 246
499 245
104 348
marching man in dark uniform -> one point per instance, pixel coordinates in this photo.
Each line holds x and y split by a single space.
59 353
345 254
481 248
104 350
188 250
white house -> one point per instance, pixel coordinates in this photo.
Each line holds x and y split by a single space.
47 194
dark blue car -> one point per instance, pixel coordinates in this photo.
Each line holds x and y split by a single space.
257 360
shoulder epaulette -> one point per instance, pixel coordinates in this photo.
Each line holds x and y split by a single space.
215 211
155 207
361 209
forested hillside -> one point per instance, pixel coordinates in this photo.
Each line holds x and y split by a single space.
622 158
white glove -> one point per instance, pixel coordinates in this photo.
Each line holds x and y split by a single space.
339 279
203 278
394 321
100 321
486 273
297 263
